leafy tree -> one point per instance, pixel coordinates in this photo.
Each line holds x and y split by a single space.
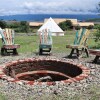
77 27
97 34
3 24
68 24
65 25
13 25
24 26
90 27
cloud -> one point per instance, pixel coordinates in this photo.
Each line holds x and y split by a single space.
11 7
72 6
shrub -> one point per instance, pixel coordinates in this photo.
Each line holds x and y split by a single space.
65 25
90 27
3 24
97 34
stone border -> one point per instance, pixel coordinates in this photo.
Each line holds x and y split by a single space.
84 74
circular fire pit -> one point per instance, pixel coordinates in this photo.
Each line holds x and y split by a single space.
43 71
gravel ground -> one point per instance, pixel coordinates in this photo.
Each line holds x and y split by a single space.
86 89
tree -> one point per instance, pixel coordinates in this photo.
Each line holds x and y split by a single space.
65 25
68 23
24 26
90 27
3 24
13 25
77 27
97 34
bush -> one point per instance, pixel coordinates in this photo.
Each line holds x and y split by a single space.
22 26
65 25
77 27
90 27
97 34
3 24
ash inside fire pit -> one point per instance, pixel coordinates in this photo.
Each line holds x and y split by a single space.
42 70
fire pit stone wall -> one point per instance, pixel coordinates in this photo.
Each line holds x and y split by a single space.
75 72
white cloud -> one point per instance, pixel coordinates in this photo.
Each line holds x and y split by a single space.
48 6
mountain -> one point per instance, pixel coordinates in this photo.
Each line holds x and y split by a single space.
41 17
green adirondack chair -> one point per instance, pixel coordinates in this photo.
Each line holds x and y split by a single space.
8 45
80 43
45 42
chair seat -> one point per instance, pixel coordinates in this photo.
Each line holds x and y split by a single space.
45 46
95 52
14 46
75 46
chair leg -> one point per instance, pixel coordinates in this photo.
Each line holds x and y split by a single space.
71 53
40 51
50 53
77 52
2 51
15 52
96 59
87 52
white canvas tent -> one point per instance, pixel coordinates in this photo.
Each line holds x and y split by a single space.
53 27
0 34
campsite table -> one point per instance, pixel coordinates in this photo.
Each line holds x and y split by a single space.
95 52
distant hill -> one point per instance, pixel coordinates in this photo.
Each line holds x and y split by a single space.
41 17
93 20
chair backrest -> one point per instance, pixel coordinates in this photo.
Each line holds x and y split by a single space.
78 32
7 36
84 37
79 35
45 37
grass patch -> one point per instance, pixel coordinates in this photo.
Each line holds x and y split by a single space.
2 97
31 43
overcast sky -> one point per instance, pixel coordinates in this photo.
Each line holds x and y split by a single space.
12 7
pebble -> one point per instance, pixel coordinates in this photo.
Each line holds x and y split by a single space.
13 91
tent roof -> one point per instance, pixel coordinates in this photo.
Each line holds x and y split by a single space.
50 24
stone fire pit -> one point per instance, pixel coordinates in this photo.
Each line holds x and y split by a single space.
38 71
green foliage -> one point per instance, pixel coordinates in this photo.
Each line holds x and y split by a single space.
90 27
3 24
97 34
2 97
22 26
77 27
31 43
65 25
13 25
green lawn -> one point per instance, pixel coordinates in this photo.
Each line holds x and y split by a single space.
31 43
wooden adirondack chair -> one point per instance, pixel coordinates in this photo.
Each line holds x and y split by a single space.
80 44
8 46
45 42
95 52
